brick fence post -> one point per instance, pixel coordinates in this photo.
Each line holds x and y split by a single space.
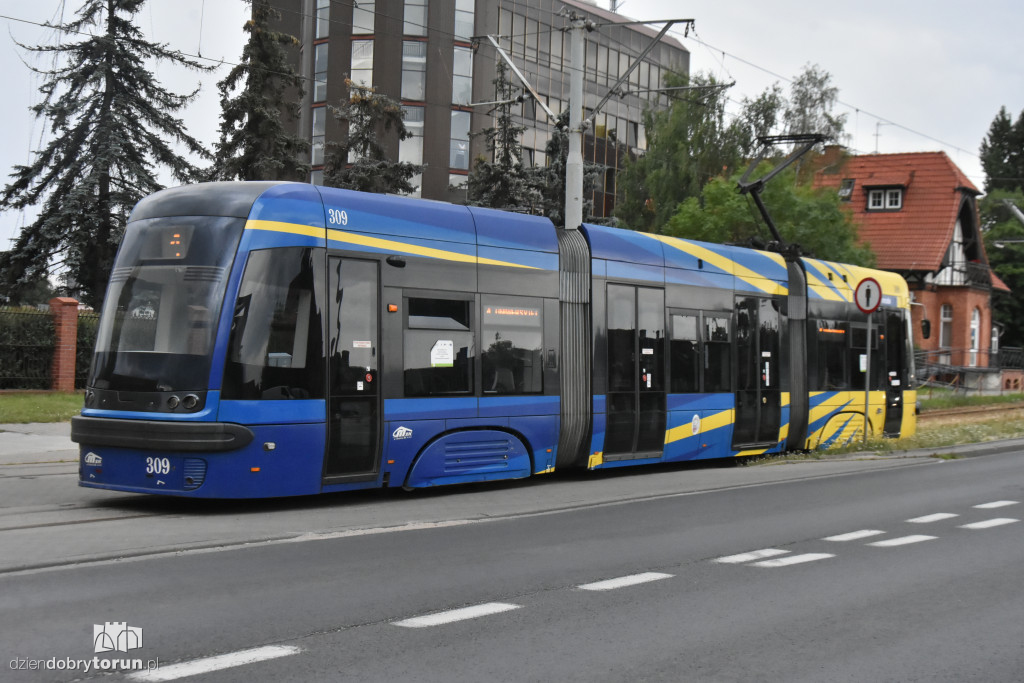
65 328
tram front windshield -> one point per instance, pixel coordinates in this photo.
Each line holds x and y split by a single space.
160 314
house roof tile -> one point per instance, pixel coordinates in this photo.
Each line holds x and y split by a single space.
917 236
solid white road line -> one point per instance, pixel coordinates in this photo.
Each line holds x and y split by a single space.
208 664
928 519
903 540
453 615
996 504
751 556
989 523
793 559
855 535
624 581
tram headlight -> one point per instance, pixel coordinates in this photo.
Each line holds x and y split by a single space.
173 402
190 402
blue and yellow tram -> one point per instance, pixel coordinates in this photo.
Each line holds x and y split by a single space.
279 339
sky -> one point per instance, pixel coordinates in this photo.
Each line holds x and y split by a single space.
913 75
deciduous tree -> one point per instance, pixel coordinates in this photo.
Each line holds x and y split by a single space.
811 104
811 218
1002 229
688 144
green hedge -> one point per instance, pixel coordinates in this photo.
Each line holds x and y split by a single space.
26 348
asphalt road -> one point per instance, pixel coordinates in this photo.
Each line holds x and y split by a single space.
716 575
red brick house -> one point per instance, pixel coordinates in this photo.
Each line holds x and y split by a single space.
918 212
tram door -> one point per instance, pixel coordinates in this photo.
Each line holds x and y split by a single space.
758 373
895 377
353 403
635 402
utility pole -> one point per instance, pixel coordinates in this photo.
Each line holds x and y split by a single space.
574 162
578 25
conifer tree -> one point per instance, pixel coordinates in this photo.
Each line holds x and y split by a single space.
111 125
549 180
1002 153
255 140
361 162
500 180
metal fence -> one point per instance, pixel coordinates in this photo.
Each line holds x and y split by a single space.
26 348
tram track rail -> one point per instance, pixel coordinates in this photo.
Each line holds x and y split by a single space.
971 414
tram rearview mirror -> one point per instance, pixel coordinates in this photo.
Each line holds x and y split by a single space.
926 329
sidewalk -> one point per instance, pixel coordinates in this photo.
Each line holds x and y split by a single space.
37 442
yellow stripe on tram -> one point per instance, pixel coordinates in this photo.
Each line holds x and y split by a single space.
379 243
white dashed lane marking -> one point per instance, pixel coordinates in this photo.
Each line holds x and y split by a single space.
208 664
989 523
453 615
855 535
902 540
751 556
928 519
792 559
624 581
996 504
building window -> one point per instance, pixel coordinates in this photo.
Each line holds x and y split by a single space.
415 18
362 62
362 16
945 332
894 199
319 127
411 149
462 76
414 70
846 189
464 19
975 337
320 73
323 18
459 157
890 199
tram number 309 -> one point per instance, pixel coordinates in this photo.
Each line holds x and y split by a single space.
337 217
158 466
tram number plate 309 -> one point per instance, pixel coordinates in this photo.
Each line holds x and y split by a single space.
158 466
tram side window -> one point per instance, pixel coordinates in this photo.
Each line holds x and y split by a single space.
832 370
858 358
685 354
438 347
513 336
276 345
717 361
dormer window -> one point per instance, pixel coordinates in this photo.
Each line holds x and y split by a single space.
894 199
886 199
846 189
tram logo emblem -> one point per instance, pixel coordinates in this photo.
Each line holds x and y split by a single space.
116 636
93 459
402 433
